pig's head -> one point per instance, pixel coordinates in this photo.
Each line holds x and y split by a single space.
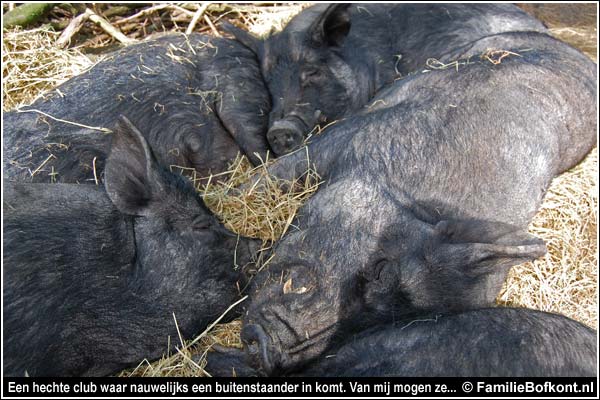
180 245
362 257
454 265
308 79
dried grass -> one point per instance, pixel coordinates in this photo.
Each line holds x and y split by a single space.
190 358
495 56
32 65
566 279
573 23
272 19
585 39
264 211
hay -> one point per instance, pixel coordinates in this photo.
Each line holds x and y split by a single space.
272 19
565 281
190 358
585 39
264 211
32 65
573 23
495 56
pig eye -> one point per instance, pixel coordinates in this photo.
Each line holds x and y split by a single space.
310 74
372 274
201 223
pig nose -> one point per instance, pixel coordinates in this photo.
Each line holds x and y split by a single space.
257 345
285 136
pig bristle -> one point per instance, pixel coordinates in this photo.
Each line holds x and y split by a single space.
564 281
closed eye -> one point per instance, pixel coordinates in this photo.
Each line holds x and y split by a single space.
310 74
201 223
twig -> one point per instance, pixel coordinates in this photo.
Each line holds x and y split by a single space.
196 17
212 27
51 156
145 11
108 28
129 27
74 26
120 10
96 128
152 9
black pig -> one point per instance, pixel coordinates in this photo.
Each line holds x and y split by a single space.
428 192
198 100
488 342
92 278
331 59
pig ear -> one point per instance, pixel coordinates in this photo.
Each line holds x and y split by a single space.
242 36
481 243
131 176
331 27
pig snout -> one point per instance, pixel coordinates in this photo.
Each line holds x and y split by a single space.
257 345
286 135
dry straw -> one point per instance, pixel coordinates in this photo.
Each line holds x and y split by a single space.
265 210
566 279
32 65
572 23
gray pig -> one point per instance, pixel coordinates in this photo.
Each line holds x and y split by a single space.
92 278
488 342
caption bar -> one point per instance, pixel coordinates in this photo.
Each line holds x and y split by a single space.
343 387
